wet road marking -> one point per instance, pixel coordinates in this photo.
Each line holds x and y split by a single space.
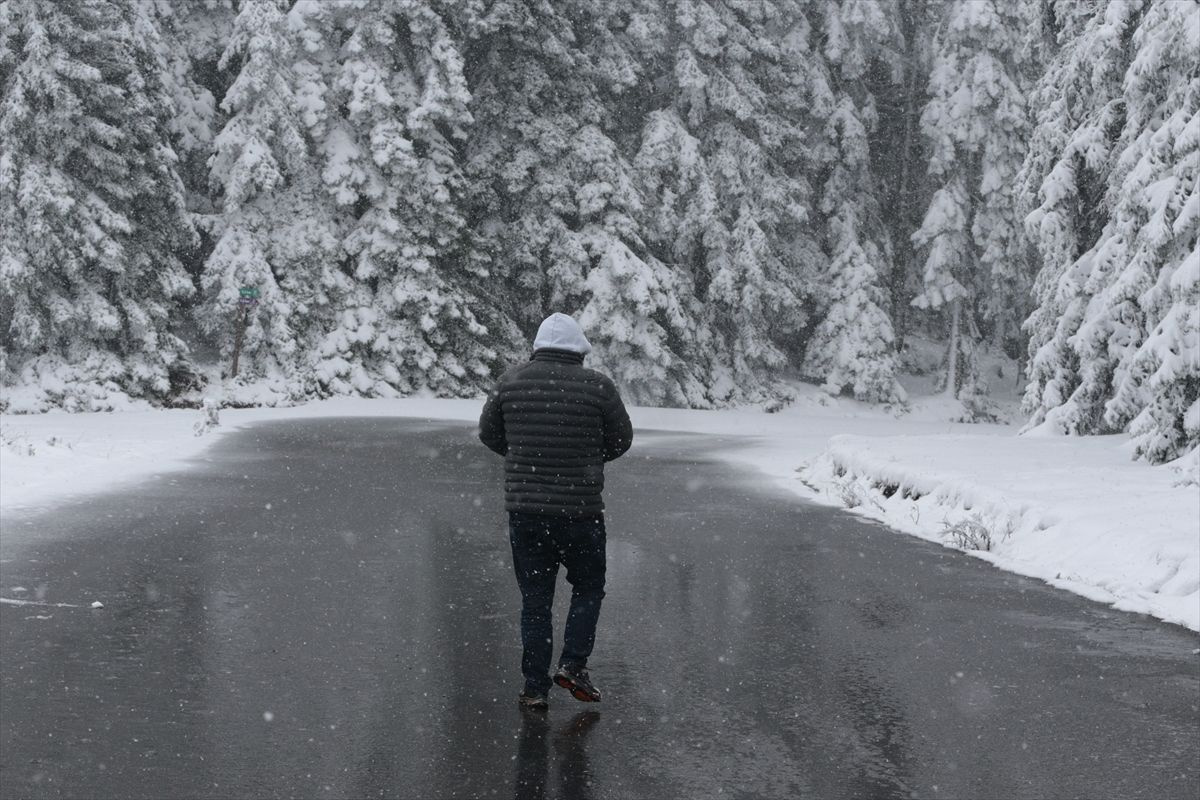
14 602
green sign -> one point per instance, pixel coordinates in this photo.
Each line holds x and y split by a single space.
249 292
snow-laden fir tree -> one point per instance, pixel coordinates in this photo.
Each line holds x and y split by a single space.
91 205
640 309
898 36
1114 342
553 198
974 121
680 209
274 231
1157 377
729 208
193 35
531 97
390 76
853 346
632 311
1079 104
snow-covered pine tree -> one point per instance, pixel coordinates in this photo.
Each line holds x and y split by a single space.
895 81
1156 392
92 210
531 96
632 316
853 346
1114 342
1006 258
192 34
1062 187
974 122
554 200
640 307
391 77
727 203
635 312
274 231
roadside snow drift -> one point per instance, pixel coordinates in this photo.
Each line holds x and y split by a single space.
1075 512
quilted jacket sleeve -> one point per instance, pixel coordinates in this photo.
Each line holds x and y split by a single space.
618 430
491 423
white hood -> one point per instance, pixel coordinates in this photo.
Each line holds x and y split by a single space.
562 333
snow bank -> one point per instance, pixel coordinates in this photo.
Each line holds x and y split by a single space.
1075 512
46 457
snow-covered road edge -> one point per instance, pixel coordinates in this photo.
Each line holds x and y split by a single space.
47 458
1075 513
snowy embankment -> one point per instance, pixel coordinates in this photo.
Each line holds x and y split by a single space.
46 457
1075 512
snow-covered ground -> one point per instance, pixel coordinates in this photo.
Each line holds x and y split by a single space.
46 457
1075 512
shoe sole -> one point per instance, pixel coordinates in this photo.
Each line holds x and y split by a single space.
579 694
533 705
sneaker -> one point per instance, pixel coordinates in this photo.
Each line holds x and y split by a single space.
534 699
574 678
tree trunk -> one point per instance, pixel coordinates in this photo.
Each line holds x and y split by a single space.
237 341
952 361
902 194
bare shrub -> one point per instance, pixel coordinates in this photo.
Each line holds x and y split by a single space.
848 492
973 533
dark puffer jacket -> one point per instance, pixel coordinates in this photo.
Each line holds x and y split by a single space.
556 423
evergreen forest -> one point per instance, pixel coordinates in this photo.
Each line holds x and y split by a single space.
728 195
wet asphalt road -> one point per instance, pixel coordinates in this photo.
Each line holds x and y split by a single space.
326 609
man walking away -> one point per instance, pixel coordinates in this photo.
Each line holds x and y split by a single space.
556 423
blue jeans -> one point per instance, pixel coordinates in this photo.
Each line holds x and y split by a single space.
539 544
